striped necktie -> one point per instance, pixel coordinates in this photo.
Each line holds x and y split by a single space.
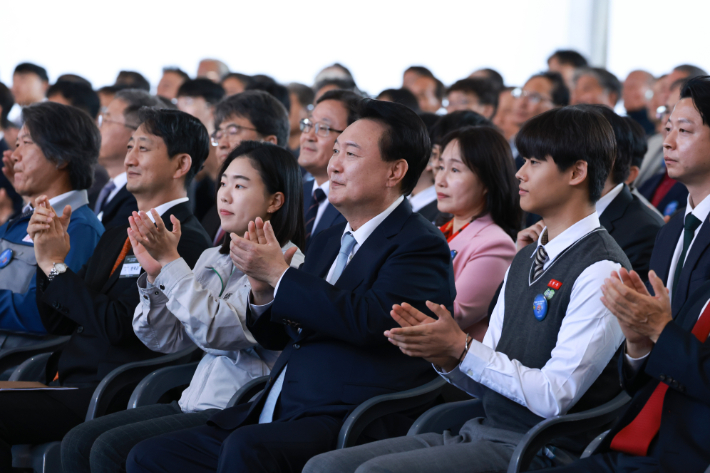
541 257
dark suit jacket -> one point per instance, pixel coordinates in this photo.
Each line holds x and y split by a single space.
634 227
430 211
675 199
332 336
330 216
211 222
118 209
696 269
683 362
97 310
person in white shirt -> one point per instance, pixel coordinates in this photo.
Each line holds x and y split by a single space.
550 344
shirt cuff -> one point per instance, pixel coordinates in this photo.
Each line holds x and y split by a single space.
634 364
276 288
477 359
170 275
258 310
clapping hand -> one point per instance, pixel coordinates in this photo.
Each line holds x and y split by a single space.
642 317
438 341
529 235
49 234
160 243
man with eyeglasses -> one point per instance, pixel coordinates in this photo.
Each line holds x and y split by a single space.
333 112
253 115
542 92
117 123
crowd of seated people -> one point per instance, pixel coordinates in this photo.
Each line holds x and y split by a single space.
539 247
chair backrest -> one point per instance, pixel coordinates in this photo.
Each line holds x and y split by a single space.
32 369
248 391
13 357
159 382
122 380
450 416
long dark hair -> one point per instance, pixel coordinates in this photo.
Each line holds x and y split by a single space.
280 173
486 152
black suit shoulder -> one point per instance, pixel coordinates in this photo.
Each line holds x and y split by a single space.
117 211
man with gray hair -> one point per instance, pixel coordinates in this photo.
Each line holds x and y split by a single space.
595 86
212 69
117 123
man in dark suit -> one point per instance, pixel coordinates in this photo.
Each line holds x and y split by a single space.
329 326
334 111
95 305
666 371
681 255
629 221
115 203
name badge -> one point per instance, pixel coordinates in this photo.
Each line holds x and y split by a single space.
131 267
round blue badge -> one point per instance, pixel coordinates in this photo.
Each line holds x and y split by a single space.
5 258
540 307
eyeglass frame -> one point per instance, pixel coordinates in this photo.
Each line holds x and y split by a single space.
533 97
101 120
215 139
317 126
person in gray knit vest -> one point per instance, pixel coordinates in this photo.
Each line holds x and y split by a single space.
551 345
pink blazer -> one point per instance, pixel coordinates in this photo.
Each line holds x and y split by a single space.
483 253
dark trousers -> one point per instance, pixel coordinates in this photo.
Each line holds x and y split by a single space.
275 447
102 445
34 417
612 462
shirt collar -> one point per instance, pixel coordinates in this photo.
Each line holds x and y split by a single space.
567 238
607 199
74 199
423 198
362 233
120 180
701 210
325 187
162 208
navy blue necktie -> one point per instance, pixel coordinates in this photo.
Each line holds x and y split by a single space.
318 197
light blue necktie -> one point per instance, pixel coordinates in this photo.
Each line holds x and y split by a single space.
346 247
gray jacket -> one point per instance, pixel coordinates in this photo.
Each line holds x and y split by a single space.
204 307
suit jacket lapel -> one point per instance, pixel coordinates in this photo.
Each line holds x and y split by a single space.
666 247
117 240
327 255
616 209
326 221
696 251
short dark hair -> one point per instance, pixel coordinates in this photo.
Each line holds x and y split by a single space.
78 95
243 78
430 120
420 71
176 70
29 68
349 100
691 70
569 56
606 79
133 79
136 99
624 142
455 120
303 93
639 145
211 91
267 114
487 153
113 89
66 136
493 76
559 92
570 134
403 96
280 173
278 91
181 132
698 89
484 89
340 84
74 78
6 102
405 137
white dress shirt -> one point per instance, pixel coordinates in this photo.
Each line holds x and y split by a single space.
607 198
587 340
162 208
423 198
700 211
118 181
325 187
360 235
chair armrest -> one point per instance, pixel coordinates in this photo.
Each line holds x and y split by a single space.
385 404
563 426
593 445
450 416
32 369
248 391
15 356
130 374
157 383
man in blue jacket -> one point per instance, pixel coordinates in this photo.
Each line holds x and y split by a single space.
57 149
